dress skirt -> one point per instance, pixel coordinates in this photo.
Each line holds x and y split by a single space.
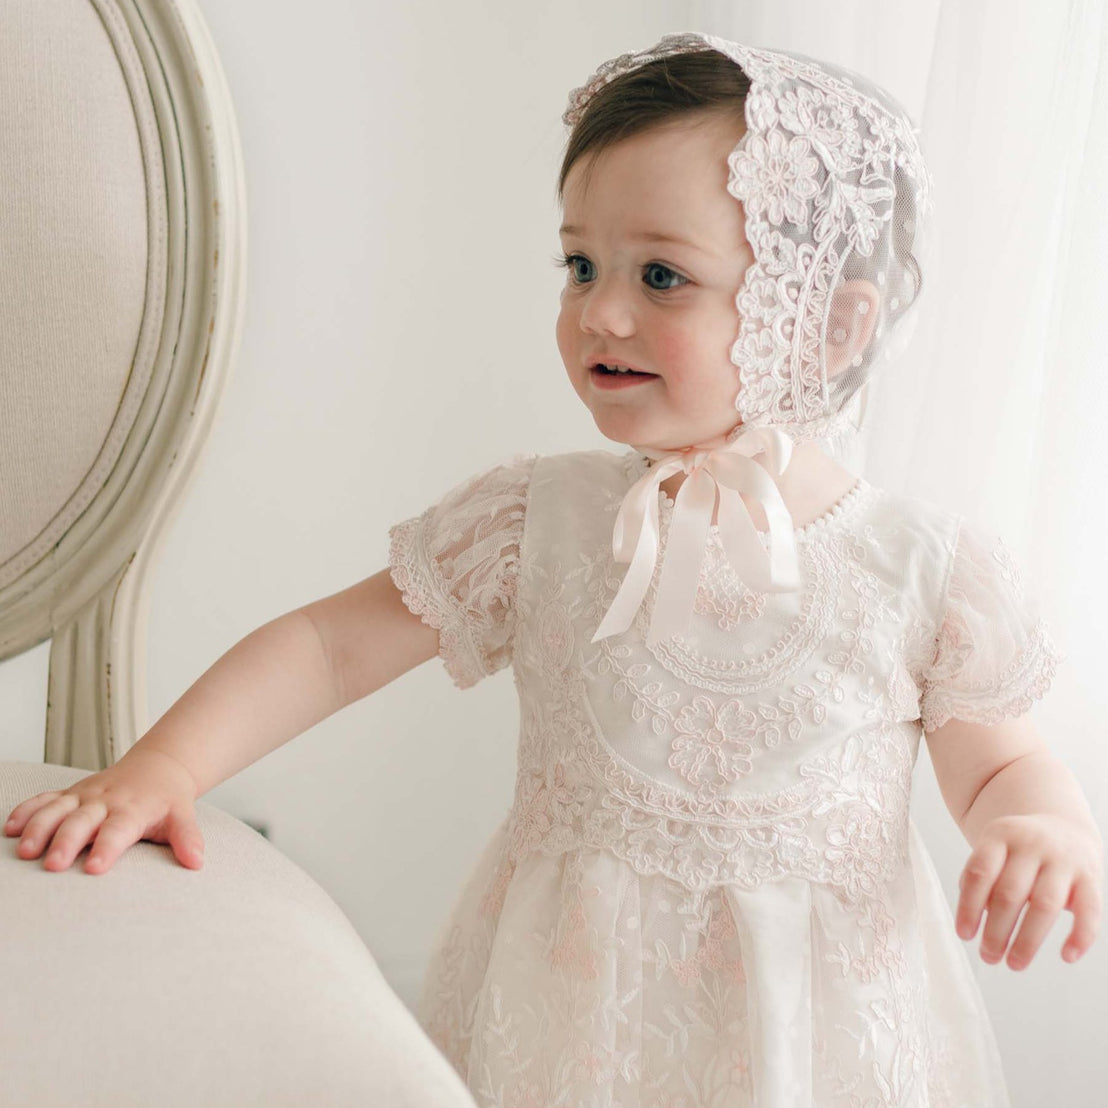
569 979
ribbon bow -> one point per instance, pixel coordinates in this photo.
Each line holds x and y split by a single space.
724 471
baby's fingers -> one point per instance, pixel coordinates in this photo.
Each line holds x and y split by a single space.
185 838
74 832
1086 906
1048 897
978 877
1009 895
21 813
116 834
40 828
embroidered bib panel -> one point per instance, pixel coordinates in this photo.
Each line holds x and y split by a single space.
776 737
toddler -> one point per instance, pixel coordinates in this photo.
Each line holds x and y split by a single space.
707 890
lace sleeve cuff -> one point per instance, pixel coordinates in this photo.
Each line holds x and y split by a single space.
1026 680
457 566
425 597
993 654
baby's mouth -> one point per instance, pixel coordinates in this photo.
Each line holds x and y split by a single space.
615 370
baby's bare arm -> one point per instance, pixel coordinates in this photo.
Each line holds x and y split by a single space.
1034 838
370 637
288 675
270 687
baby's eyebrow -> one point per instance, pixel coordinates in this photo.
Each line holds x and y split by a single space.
642 236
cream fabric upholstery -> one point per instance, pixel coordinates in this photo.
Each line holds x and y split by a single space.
238 984
77 165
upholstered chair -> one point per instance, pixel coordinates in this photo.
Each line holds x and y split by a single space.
122 255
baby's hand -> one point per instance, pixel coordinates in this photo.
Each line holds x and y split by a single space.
146 795
1047 862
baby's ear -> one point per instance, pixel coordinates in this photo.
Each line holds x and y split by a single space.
850 324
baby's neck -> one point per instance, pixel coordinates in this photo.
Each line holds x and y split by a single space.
811 486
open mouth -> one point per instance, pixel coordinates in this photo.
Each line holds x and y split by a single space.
615 370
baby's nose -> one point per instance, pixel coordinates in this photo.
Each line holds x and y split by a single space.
608 310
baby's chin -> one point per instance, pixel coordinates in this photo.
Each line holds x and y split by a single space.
676 441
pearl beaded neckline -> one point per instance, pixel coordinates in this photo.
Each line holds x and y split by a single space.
859 494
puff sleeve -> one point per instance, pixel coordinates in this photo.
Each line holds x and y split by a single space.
993 654
457 565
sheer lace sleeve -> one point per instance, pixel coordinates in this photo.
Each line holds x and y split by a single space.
456 566
993 654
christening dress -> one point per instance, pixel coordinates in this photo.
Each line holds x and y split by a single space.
707 890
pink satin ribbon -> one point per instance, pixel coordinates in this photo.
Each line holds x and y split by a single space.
725 471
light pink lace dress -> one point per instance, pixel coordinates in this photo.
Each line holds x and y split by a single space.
708 891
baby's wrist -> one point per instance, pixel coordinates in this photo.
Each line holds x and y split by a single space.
154 759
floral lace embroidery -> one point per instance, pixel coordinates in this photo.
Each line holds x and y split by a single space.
713 836
1009 569
457 567
744 841
988 664
722 594
713 744
1012 693
711 955
821 564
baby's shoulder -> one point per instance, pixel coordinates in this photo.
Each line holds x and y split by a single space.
915 514
575 461
541 483
910 540
583 470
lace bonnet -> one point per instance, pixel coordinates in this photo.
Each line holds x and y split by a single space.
834 187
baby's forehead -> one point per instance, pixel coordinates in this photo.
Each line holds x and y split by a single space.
697 142
690 160
673 205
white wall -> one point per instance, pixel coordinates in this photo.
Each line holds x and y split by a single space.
400 162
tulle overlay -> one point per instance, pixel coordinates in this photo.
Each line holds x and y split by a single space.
708 890
572 980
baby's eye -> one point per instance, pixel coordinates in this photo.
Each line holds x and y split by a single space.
655 270
578 267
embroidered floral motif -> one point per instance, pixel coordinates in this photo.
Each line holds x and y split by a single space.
457 567
778 176
712 955
1011 571
713 744
575 948
721 593
993 657
1023 681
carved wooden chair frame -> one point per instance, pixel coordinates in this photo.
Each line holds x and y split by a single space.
81 581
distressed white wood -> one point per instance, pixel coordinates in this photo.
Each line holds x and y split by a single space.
83 584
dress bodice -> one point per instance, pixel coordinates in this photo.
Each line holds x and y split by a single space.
731 752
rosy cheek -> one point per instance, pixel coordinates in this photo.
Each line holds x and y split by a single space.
674 351
563 335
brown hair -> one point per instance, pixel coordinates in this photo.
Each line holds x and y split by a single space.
655 93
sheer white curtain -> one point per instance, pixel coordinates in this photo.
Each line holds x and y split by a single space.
999 409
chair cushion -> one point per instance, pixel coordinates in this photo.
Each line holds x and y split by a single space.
241 983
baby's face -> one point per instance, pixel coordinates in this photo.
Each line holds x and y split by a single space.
634 298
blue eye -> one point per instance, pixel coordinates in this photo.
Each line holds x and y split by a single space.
656 268
573 263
